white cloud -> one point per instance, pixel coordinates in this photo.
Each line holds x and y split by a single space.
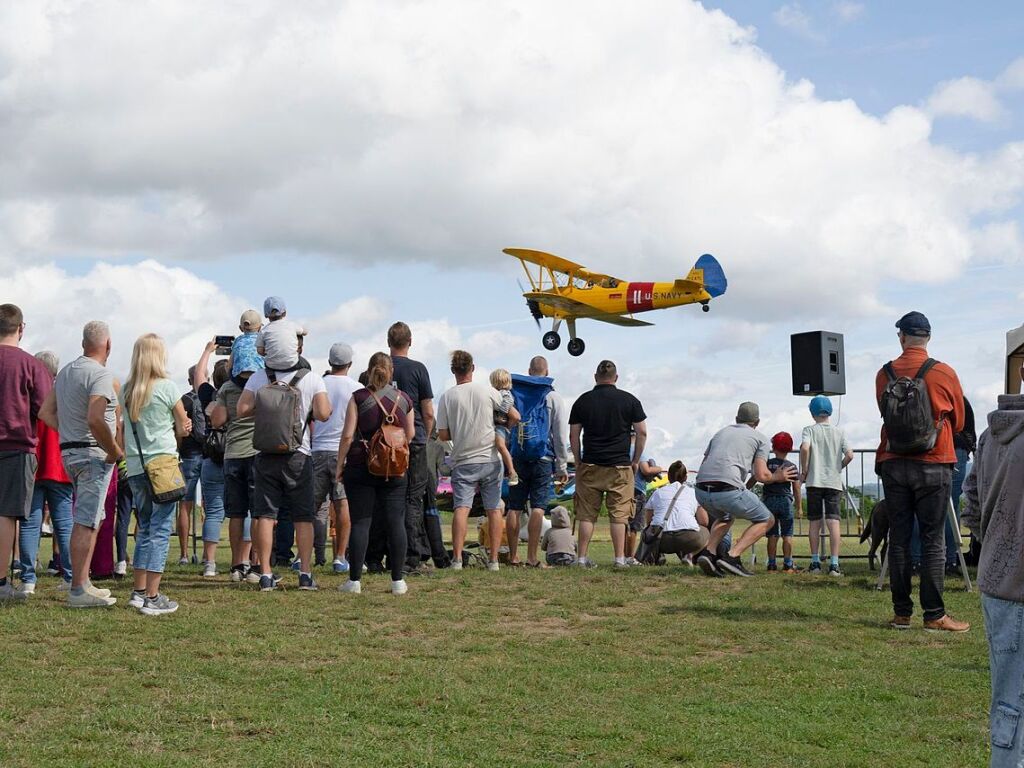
847 11
443 131
966 97
793 17
1012 78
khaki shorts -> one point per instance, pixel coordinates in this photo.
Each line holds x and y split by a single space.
612 485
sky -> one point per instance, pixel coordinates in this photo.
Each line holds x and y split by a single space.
845 161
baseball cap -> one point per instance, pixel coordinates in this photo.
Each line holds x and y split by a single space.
274 305
914 324
820 405
251 320
341 354
783 442
748 413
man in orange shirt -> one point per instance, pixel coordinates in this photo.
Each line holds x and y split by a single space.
917 485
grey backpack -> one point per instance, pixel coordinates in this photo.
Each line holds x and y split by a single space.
906 408
279 420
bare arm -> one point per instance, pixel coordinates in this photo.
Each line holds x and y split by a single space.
513 416
805 460
410 426
650 471
847 458
574 443
427 414
182 423
202 375
97 419
119 417
444 435
218 416
48 411
321 406
246 405
641 442
348 436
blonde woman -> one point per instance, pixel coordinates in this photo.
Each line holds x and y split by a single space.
155 420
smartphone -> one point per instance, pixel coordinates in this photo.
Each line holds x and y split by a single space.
223 344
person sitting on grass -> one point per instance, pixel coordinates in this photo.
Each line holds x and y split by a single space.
824 454
558 541
501 380
779 498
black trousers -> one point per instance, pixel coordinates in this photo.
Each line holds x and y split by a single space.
370 499
417 479
918 491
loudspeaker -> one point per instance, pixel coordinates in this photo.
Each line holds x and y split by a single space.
819 367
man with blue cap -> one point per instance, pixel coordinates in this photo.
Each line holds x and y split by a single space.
922 407
824 454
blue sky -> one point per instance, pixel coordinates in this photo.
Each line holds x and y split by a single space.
378 163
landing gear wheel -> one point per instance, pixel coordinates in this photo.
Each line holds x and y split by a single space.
551 340
576 347
706 308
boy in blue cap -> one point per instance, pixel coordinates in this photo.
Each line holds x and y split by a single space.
824 453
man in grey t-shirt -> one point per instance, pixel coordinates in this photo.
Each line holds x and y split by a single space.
734 453
83 408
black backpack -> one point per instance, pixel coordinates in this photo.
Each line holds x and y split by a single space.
906 409
194 410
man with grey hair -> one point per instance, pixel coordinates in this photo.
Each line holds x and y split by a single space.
736 453
83 407
534 490
20 375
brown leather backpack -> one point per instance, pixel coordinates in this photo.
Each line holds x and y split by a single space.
387 450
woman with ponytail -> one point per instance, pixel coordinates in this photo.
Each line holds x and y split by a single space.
154 422
368 494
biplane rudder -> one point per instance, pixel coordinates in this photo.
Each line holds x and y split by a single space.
714 276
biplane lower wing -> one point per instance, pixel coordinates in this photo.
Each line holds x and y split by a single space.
572 308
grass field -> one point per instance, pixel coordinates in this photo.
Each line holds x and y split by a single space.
648 667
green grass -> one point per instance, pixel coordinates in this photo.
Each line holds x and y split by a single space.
649 667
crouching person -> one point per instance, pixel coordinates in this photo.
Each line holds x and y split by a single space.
674 510
558 541
995 515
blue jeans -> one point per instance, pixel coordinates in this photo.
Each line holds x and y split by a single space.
536 486
124 518
1004 627
56 496
213 500
191 469
155 523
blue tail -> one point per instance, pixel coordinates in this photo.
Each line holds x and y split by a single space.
714 278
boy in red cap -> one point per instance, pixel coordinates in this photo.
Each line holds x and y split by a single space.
779 498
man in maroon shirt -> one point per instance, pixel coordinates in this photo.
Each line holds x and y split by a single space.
24 384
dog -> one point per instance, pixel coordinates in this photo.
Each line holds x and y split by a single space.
877 529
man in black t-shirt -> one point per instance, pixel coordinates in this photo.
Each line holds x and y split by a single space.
606 417
411 377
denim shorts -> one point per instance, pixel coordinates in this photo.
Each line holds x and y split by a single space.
191 469
91 477
729 505
487 477
782 508
535 485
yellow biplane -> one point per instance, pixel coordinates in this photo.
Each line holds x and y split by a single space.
563 290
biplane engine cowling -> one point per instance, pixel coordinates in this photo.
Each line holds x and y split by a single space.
535 309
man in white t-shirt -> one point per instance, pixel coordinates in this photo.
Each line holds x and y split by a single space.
465 415
328 494
285 479
675 510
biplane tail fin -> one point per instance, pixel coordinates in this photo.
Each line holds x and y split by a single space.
708 272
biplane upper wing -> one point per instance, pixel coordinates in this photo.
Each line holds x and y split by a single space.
574 308
558 264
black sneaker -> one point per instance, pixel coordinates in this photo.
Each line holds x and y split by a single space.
833 570
729 564
814 569
771 567
706 562
306 583
52 569
268 583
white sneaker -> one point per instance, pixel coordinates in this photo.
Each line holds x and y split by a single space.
28 589
399 587
182 561
456 565
352 587
137 599
9 593
631 561
252 577
492 565
121 569
158 606
209 569
89 600
93 590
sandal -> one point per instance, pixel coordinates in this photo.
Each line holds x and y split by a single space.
537 564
